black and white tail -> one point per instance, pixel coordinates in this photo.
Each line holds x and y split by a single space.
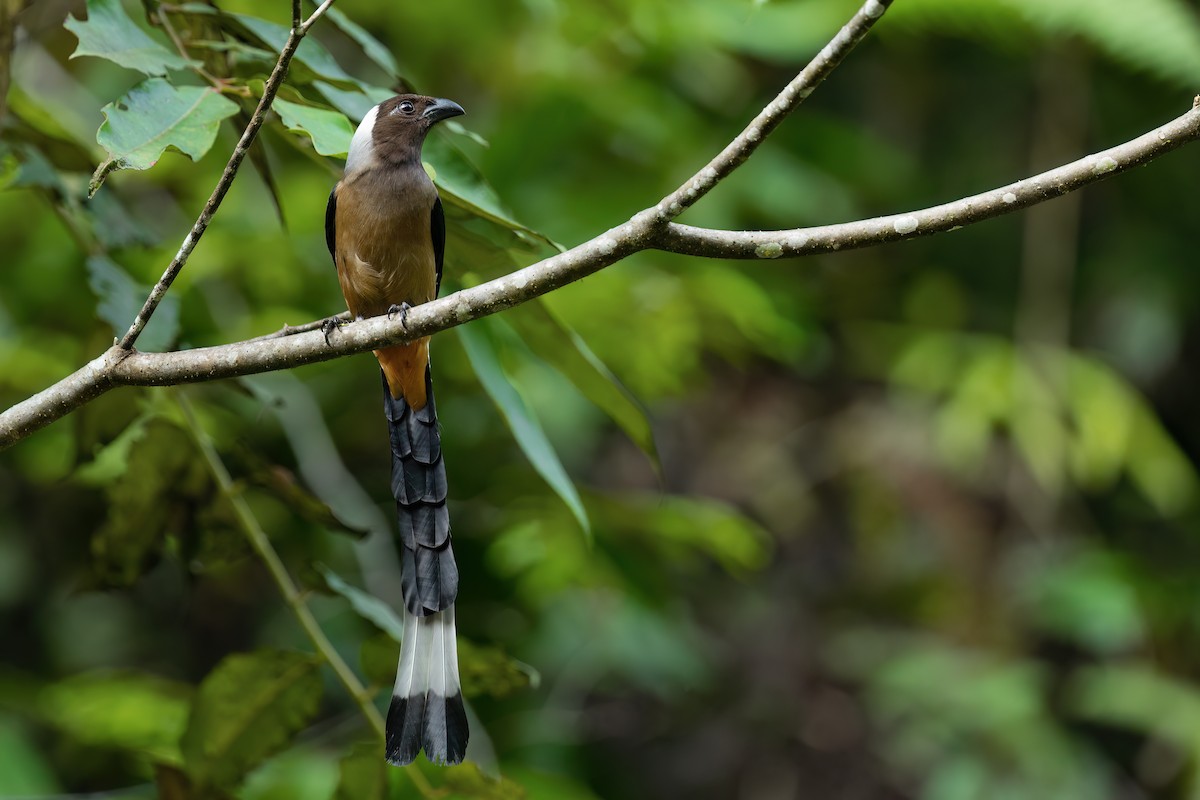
427 707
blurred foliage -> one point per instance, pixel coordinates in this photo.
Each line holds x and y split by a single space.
912 522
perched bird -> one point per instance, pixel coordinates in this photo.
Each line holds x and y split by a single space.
386 232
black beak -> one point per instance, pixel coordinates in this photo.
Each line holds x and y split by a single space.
441 109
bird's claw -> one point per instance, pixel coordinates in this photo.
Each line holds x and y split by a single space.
330 325
401 309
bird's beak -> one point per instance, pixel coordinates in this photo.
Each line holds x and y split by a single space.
441 109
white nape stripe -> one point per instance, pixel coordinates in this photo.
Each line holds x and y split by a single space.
362 148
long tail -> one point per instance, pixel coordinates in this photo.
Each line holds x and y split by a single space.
427 707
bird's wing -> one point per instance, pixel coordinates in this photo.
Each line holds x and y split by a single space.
437 231
331 224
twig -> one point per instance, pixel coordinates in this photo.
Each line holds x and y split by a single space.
292 330
164 19
262 546
316 15
222 188
795 93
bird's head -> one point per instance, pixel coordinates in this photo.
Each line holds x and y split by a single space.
394 130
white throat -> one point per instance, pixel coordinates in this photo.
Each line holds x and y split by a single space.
362 147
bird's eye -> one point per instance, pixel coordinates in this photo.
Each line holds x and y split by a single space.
406 107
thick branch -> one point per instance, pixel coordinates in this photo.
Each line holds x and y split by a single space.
235 161
126 368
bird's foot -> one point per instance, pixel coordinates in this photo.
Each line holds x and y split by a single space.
332 324
402 310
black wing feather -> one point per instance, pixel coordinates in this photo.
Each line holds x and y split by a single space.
437 230
331 222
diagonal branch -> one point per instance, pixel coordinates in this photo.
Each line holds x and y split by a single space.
231 168
118 367
795 93
689 240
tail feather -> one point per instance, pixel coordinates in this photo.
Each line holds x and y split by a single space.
427 708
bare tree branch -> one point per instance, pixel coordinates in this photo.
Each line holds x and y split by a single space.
235 161
710 243
316 15
286 348
795 93
305 344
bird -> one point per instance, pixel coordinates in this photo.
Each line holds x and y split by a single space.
386 231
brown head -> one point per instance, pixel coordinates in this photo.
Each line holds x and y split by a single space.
393 131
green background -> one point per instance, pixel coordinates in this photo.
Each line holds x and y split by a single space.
919 521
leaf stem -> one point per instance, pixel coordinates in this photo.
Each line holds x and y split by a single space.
261 544
165 21
222 188
266 552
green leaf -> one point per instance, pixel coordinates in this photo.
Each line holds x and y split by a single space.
372 47
155 115
109 33
468 781
283 484
157 495
304 772
560 346
121 298
1139 698
378 656
362 774
329 130
486 670
367 606
521 421
311 53
248 708
1158 36
462 184
116 227
351 102
24 771
141 713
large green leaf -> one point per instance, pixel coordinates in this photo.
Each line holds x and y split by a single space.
520 418
362 774
329 130
160 493
1158 36
121 298
155 115
142 713
560 346
369 607
109 33
311 53
247 708
372 47
461 183
1138 697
